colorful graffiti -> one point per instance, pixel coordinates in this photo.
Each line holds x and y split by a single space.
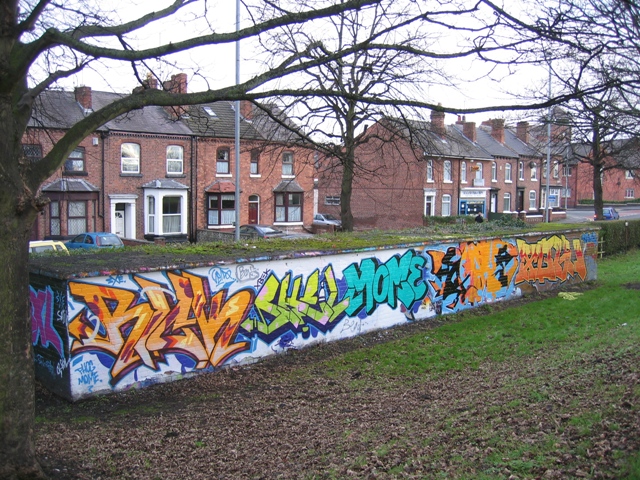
174 322
42 314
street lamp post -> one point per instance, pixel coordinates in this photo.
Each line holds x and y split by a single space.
237 127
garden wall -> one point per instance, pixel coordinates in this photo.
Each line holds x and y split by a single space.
99 334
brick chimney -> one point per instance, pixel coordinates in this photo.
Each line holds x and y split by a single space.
497 129
461 119
177 84
83 97
437 122
469 130
246 109
522 131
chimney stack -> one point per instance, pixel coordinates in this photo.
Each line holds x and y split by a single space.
497 129
246 109
469 130
83 97
177 84
522 131
437 122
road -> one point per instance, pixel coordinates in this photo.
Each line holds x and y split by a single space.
578 215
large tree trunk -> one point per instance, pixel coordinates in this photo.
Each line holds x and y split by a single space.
17 414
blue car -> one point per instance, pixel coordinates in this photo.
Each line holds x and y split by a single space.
609 213
95 240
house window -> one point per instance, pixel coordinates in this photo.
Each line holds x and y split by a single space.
629 193
628 174
478 171
171 214
429 170
446 205
75 161
556 170
494 172
332 200
507 172
506 203
463 172
532 200
288 207
566 171
31 152
287 163
77 218
520 170
447 171
130 158
222 161
221 209
151 215
566 193
175 160
255 162
54 218
534 171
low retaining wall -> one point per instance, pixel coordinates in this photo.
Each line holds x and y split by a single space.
100 334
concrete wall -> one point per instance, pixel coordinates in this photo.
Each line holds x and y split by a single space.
109 333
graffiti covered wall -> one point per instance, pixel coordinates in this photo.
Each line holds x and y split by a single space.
110 333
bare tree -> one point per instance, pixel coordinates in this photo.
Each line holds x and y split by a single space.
42 42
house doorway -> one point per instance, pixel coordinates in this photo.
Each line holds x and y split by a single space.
119 225
254 209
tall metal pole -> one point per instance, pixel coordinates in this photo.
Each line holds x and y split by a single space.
237 126
548 165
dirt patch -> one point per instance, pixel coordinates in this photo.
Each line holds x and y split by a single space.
290 417
632 286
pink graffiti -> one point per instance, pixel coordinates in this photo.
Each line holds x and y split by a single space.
42 329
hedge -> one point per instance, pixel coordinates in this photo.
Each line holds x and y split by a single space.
617 236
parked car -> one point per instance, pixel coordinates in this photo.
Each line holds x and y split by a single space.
326 219
609 213
47 246
95 240
261 231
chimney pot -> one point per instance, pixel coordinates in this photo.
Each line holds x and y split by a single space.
83 97
437 122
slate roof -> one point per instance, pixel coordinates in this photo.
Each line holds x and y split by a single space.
58 109
490 144
453 144
70 185
518 146
165 183
218 120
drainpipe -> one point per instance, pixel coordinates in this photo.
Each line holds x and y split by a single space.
193 165
103 141
459 186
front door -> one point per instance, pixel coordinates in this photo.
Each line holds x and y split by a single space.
254 204
119 226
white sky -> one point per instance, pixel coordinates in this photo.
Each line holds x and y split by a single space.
217 64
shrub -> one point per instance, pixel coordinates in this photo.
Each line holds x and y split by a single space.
619 235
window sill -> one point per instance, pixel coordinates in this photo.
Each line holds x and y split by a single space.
221 227
224 175
447 181
508 181
175 175
74 174
288 223
288 176
255 175
125 174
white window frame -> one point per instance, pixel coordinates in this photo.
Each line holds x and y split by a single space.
175 160
446 205
507 173
534 172
533 200
130 164
158 195
629 193
288 170
447 175
628 174
463 172
506 202
520 170
494 172
332 200
430 171
222 161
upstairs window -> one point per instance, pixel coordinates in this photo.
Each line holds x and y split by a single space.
507 172
494 172
75 162
32 152
447 171
287 163
175 160
429 170
520 170
130 158
222 161
534 171
255 162
463 172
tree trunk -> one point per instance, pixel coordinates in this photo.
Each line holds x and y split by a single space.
17 396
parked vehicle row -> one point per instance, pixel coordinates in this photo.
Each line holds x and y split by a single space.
85 241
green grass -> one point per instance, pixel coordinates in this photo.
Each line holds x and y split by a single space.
553 332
